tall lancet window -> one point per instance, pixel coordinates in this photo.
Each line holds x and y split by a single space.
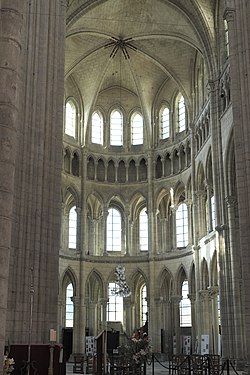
70 119
116 128
185 307
69 313
97 128
72 227
164 123
181 114
182 225
114 229
143 229
137 129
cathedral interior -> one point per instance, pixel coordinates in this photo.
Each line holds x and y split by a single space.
124 194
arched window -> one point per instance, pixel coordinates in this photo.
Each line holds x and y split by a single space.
70 119
182 225
72 227
115 304
185 307
116 128
144 306
226 38
137 129
213 212
69 310
97 128
143 229
164 123
181 114
114 228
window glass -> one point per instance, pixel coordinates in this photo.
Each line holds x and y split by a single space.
164 123
72 227
144 306
97 128
143 229
69 306
116 129
185 307
181 114
182 225
137 130
114 230
115 305
213 211
70 119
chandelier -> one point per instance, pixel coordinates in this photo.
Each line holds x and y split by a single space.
121 288
122 44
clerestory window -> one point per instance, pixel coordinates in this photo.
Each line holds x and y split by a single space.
97 128
116 128
70 119
181 114
164 123
137 129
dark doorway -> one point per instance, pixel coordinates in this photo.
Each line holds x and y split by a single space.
67 342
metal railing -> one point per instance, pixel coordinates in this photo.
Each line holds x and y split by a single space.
209 364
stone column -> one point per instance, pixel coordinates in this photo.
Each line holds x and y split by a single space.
76 348
192 298
176 320
128 315
10 61
236 318
93 318
104 303
205 299
213 290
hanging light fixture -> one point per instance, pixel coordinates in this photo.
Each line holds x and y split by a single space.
121 289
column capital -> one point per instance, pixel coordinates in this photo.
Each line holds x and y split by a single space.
176 300
205 295
231 201
229 14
